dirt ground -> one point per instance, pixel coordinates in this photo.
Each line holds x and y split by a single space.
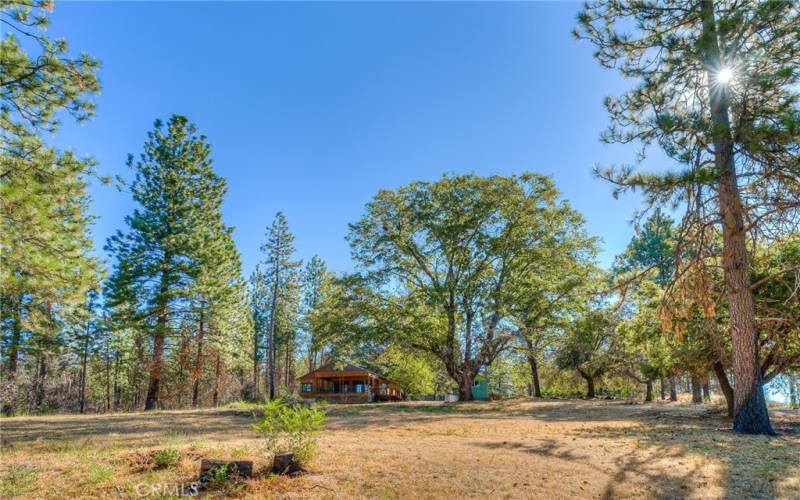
513 449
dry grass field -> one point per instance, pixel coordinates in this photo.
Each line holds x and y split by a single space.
512 449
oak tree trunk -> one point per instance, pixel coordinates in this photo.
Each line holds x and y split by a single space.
465 387
537 390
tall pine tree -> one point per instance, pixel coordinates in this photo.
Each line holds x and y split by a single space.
159 273
281 272
45 262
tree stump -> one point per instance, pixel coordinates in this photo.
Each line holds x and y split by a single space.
285 463
243 468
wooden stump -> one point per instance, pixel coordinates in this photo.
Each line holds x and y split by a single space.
285 463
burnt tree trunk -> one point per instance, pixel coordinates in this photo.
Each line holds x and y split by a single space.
750 408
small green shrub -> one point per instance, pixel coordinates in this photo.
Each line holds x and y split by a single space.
99 474
166 458
290 428
219 475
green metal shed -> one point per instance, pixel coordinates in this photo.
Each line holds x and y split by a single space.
480 388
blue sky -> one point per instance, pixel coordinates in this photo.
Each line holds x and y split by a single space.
310 108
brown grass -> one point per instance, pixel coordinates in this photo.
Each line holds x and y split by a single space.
513 449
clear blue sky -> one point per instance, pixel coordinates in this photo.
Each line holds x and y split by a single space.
310 108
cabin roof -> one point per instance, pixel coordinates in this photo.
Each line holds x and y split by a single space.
330 369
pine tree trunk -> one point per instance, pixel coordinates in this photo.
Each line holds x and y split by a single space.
706 388
255 360
662 384
117 392
84 356
697 390
157 363
673 388
108 375
40 381
724 386
198 360
649 393
215 396
272 350
750 407
16 335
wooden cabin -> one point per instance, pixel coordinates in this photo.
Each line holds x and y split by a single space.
348 384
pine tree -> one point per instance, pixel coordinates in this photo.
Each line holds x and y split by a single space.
156 272
281 271
314 280
717 90
45 262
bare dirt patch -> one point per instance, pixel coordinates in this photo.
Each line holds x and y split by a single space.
513 449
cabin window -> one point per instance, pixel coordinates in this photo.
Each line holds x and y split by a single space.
346 387
305 388
359 387
476 383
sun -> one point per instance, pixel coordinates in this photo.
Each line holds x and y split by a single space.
725 75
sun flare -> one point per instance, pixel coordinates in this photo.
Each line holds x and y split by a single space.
725 76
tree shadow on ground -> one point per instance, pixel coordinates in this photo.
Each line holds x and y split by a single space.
668 450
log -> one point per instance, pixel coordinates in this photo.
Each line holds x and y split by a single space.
242 467
285 463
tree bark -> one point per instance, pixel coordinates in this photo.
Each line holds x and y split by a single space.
198 360
750 408
662 384
465 387
40 381
255 358
537 390
792 391
724 386
215 396
706 388
697 390
673 388
272 350
16 335
157 363
649 393
84 357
